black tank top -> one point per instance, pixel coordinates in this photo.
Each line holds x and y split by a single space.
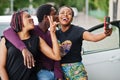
15 65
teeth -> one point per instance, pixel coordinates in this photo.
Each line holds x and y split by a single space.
64 18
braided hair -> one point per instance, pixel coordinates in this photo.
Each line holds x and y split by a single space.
17 21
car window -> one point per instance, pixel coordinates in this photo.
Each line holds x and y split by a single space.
111 42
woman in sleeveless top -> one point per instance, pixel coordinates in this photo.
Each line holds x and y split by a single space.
11 59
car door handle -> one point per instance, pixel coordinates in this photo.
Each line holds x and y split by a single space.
115 58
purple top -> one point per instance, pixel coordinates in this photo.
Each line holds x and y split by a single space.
45 62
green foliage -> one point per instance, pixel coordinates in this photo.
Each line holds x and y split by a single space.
79 4
3 5
99 4
19 4
37 3
100 7
92 5
74 3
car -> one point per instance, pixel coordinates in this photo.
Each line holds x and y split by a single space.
102 59
5 22
75 10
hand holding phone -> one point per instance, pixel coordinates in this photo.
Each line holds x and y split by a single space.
107 26
107 22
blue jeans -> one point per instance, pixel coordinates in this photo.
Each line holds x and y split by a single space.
46 75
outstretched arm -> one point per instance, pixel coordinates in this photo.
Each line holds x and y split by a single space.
12 36
96 37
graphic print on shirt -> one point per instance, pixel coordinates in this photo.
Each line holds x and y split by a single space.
65 47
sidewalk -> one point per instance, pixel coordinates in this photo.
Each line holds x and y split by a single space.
85 21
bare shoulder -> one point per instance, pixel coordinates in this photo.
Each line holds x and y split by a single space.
2 40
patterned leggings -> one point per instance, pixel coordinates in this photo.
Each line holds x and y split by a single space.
74 71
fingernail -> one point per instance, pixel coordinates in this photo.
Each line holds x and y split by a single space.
29 67
33 65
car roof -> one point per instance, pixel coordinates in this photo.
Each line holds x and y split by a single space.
5 22
7 18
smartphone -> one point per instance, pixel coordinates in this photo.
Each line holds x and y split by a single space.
107 22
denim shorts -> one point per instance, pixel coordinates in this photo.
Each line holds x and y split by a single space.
46 75
74 71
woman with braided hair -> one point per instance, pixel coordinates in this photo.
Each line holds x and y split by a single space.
11 59
49 69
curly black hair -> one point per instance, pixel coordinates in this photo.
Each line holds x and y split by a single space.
44 9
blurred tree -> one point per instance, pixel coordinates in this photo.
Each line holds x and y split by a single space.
99 4
91 5
79 4
19 4
100 7
3 5
102 4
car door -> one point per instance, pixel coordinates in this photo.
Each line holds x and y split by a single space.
102 59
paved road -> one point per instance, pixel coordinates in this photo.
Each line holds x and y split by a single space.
85 21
